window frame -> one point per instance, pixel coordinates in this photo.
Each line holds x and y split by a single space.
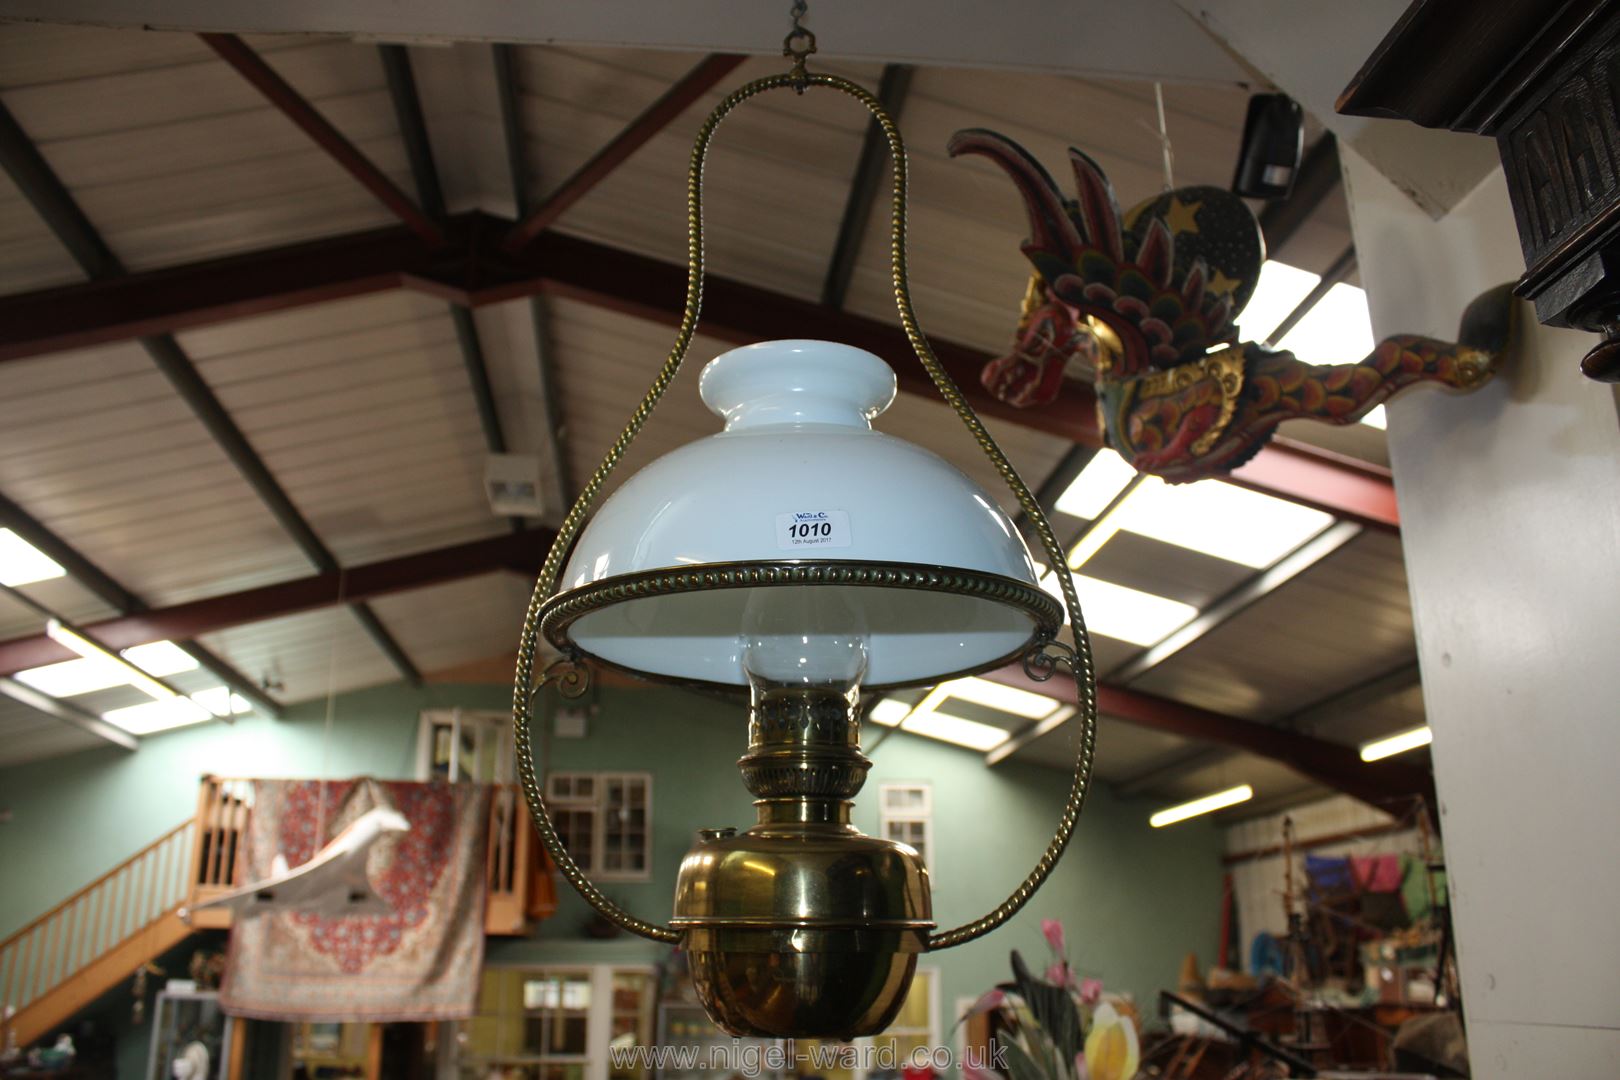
923 816
928 976
598 1018
488 727
597 808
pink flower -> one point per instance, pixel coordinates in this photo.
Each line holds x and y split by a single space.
1090 991
990 999
1061 975
1081 1070
1053 929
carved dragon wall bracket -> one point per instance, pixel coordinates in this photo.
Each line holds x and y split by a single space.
1145 304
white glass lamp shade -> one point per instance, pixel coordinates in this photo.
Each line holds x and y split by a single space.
798 477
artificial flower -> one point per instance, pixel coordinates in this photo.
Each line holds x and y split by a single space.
990 999
1053 929
1111 1048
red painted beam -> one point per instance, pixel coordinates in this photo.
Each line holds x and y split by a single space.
252 67
1339 767
475 271
655 118
219 290
740 313
522 552
1352 489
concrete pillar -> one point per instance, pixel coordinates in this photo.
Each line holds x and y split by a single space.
1510 514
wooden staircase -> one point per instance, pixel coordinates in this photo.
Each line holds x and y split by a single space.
89 943
99 936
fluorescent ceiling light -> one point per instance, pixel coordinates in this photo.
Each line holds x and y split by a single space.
1208 804
21 563
1220 519
69 678
954 729
1337 329
1397 744
889 712
88 649
1123 613
1376 418
1104 476
1280 290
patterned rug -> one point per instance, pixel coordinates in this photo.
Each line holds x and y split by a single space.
421 962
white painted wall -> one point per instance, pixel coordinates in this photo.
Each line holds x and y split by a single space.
1312 49
1510 513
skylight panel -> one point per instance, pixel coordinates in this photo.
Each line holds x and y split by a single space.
70 678
1280 290
955 729
1007 699
889 712
1337 329
21 563
1221 519
1104 476
1127 614
170 713
154 716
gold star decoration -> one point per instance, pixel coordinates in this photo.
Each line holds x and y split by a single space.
1220 283
1182 217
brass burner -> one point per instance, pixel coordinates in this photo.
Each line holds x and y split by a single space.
802 926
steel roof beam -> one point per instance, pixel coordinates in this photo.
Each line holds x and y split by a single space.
402 92
517 165
1343 703
252 67
892 89
283 278
1335 766
518 552
653 119
68 713
40 184
1238 599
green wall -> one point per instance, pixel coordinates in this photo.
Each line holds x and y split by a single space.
1135 900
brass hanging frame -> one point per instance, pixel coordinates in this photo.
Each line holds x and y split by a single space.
548 611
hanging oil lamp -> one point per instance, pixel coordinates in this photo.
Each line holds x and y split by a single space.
806 557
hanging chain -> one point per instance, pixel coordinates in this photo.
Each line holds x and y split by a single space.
1045 656
798 46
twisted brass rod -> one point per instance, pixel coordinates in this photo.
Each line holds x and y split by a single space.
1078 660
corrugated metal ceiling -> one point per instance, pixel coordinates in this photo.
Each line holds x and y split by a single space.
362 408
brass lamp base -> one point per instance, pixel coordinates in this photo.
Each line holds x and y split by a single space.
802 926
